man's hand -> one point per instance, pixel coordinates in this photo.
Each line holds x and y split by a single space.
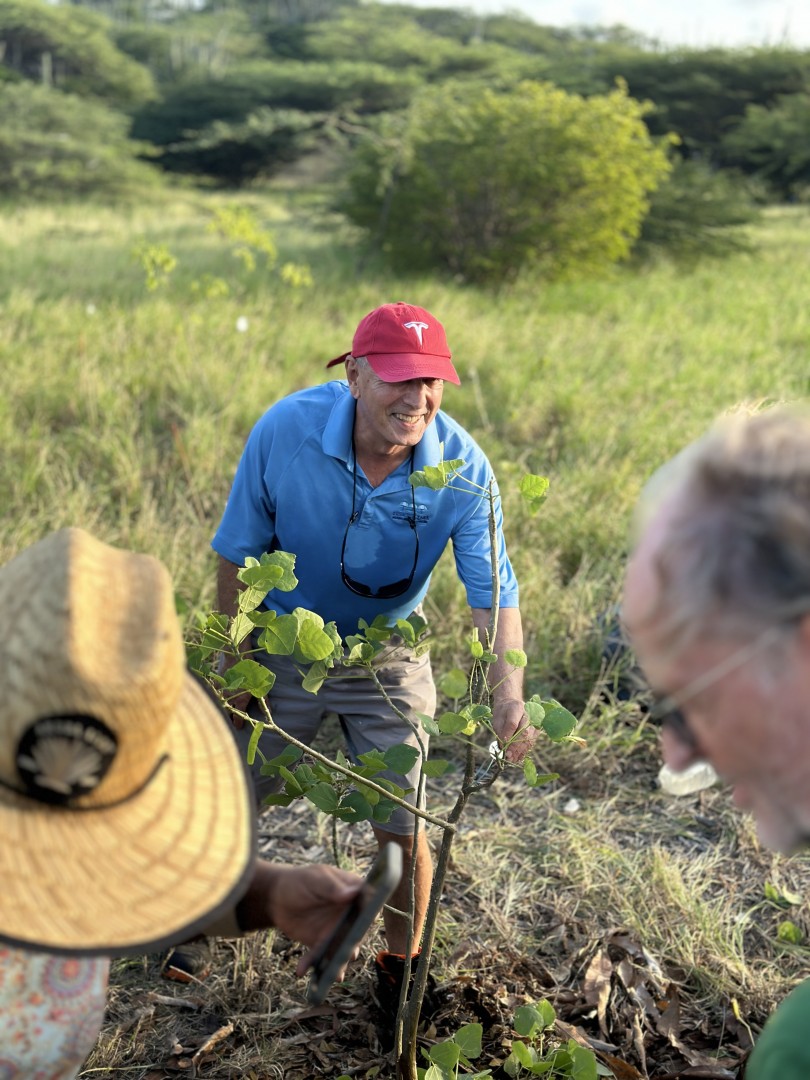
509 717
304 902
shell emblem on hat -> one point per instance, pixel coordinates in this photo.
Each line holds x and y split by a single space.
60 757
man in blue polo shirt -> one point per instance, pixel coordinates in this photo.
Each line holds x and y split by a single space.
324 475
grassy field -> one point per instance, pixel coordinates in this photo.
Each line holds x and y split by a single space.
124 410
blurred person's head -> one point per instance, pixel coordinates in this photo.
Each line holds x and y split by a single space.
125 819
717 604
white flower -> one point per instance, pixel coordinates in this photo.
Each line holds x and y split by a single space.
242 323
90 309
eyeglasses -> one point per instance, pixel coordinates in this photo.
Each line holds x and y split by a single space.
396 588
668 710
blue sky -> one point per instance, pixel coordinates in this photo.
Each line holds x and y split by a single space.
699 23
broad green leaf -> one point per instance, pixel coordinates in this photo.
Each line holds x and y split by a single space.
528 1021
305 775
445 1054
304 615
279 637
523 1055
452 723
558 721
291 786
437 767
405 631
353 807
277 798
288 756
251 676
435 1073
262 618
331 629
790 932
783 897
544 778
215 633
583 1062
454 683
429 724
534 490
530 772
313 643
469 1038
383 810
476 650
285 561
401 758
477 712
360 653
535 712
374 760
516 658
255 735
241 627
547 1013
315 677
324 797
432 476
258 580
371 795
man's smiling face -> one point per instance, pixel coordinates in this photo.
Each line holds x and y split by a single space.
391 415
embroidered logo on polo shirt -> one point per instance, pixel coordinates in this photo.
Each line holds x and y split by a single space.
405 512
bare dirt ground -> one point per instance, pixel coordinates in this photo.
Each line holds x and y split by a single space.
644 920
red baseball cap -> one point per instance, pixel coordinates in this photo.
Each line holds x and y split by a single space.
402 341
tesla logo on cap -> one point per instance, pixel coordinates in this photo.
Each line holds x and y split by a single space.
418 327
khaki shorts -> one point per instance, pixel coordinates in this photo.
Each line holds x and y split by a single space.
367 720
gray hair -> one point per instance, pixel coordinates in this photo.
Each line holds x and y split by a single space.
735 557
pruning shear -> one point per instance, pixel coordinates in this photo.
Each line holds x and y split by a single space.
488 772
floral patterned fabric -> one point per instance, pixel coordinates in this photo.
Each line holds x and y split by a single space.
51 1010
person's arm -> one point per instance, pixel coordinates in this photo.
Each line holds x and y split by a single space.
304 902
508 713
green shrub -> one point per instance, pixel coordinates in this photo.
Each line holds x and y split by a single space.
484 183
699 211
53 142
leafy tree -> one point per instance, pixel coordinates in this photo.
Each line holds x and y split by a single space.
482 183
69 48
236 153
774 144
701 94
309 87
191 44
53 142
389 37
698 211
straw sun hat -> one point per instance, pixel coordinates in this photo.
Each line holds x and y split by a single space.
126 822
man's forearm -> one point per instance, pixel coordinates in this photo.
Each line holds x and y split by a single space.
228 586
506 680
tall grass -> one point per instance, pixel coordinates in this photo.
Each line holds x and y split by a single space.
124 410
